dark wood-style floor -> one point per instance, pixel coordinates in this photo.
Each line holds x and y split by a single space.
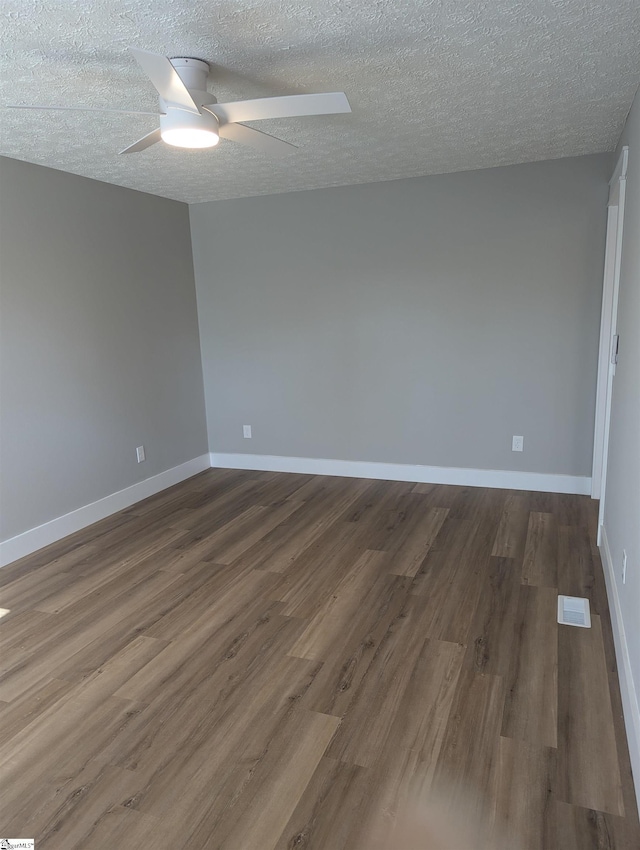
260 661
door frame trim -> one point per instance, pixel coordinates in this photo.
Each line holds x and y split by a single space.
608 326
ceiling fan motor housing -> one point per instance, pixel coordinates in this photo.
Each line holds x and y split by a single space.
177 124
192 72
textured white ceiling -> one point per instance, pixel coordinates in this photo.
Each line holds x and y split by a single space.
435 85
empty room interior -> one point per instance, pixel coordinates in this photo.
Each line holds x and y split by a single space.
320 425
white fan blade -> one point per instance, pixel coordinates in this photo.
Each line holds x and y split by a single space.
165 78
145 142
289 106
255 139
83 109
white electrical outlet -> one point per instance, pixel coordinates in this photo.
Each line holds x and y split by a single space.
624 566
140 454
517 444
246 432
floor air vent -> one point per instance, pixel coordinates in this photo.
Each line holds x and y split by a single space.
574 611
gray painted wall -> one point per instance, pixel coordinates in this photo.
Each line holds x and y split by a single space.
421 321
622 499
99 342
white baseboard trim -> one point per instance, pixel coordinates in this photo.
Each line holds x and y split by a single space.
35 538
630 707
501 478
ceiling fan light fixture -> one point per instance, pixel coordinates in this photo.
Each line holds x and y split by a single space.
190 137
189 129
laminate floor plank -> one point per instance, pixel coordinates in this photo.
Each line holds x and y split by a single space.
586 736
376 502
577 511
363 733
465 769
18 574
320 568
329 810
94 601
451 578
240 534
145 538
34 765
271 792
523 803
185 553
354 648
444 496
479 504
578 828
393 523
26 670
325 488
511 535
231 611
421 720
490 642
338 611
118 634
196 728
19 713
423 488
213 581
168 503
281 487
118 669
577 575
14 631
543 503
391 785
118 826
67 546
67 814
29 591
259 661
209 517
411 545
407 762
278 549
119 575
202 779
203 490
540 565
531 704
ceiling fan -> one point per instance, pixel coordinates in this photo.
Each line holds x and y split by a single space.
191 117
